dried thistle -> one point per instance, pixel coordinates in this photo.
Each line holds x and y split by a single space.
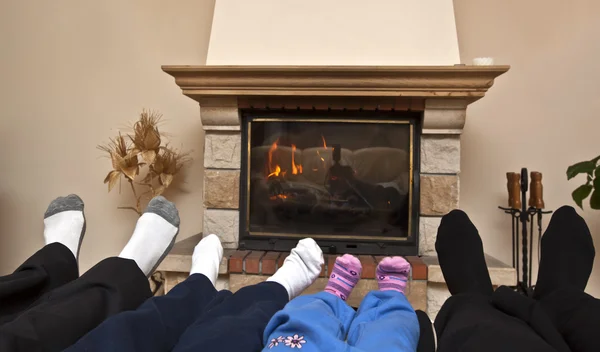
144 149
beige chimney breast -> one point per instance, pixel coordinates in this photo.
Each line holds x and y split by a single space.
333 32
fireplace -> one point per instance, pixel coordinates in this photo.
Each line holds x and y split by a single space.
343 178
382 133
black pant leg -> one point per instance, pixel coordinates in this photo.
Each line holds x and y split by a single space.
469 322
576 315
238 323
51 267
67 313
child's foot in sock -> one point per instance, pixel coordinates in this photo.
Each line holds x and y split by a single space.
460 253
64 222
301 268
567 253
207 258
345 275
392 274
154 235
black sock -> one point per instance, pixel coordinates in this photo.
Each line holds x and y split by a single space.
461 257
567 253
427 337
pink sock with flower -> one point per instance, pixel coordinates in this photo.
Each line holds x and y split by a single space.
392 274
344 276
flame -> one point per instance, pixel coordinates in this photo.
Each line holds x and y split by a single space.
296 169
276 172
271 150
324 143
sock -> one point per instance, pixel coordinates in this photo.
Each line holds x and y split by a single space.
460 253
207 258
567 253
427 334
392 274
154 235
64 222
301 268
345 275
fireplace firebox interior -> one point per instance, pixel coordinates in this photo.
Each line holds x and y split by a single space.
348 180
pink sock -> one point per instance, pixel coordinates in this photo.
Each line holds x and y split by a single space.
392 274
344 276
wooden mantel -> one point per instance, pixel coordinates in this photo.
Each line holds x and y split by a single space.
460 81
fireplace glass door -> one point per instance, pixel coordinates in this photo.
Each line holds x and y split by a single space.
339 179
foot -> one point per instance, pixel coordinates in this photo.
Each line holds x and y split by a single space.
64 222
154 235
392 274
460 253
567 253
207 258
301 268
344 276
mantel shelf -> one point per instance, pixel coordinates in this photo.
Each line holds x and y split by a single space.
460 81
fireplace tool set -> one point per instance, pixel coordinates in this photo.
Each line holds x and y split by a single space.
523 215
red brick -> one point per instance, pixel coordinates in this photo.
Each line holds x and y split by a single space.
419 269
269 263
253 262
236 261
368 266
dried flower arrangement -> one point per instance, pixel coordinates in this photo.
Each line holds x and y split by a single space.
142 150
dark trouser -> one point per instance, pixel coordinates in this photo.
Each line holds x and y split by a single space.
470 322
57 308
51 267
576 315
193 316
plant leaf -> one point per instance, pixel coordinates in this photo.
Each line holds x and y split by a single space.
148 156
595 160
581 193
130 172
595 199
166 179
112 178
158 191
584 167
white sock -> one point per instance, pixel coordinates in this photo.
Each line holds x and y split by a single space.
207 258
154 235
301 268
64 222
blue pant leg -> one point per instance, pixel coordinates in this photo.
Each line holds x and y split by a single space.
318 322
385 322
156 325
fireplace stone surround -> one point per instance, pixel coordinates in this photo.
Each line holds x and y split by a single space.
440 93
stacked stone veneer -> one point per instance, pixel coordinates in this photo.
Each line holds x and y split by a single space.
439 183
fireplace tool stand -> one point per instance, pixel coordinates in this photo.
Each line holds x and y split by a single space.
523 217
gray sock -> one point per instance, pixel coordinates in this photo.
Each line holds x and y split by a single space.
64 222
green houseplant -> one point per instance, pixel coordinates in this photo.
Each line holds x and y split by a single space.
592 187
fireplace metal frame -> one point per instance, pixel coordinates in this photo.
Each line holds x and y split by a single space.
375 245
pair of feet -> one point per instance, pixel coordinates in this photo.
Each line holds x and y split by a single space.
392 275
153 237
567 254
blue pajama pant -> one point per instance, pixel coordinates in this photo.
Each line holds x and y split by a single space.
193 316
385 321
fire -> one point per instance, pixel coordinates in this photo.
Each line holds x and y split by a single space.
296 168
276 172
270 156
324 143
